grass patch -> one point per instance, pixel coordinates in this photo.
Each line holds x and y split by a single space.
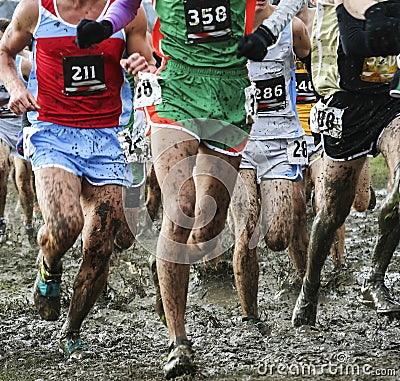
379 172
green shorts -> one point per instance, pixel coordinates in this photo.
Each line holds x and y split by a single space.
208 103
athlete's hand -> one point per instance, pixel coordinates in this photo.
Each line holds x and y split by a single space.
135 63
21 100
382 24
255 45
91 32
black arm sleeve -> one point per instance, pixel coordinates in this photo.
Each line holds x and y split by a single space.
307 61
378 35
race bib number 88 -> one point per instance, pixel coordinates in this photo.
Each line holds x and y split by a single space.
326 120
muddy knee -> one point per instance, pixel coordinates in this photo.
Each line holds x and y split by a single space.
60 235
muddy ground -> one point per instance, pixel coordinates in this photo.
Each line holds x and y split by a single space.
128 342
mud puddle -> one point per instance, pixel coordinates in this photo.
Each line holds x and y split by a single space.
127 342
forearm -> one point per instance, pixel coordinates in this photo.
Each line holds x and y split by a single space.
373 37
8 73
121 13
283 14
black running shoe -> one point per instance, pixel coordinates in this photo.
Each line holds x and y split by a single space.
377 296
305 310
180 360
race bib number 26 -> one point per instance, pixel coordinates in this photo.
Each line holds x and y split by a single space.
297 151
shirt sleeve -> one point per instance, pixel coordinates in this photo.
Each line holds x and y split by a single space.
121 13
283 14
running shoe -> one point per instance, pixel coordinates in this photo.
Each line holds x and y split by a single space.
305 310
72 347
46 294
159 304
3 226
32 235
37 213
180 360
250 320
377 296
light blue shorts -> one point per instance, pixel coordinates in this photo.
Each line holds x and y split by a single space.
91 153
270 160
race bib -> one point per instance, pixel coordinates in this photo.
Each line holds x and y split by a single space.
271 95
148 91
28 147
208 20
326 120
84 75
304 89
135 150
250 104
297 151
379 69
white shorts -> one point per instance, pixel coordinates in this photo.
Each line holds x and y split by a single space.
270 160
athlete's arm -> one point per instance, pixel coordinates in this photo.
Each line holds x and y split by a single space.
16 37
138 47
373 30
26 67
118 15
284 12
255 45
301 38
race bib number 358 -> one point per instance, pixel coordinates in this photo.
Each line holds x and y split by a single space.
207 20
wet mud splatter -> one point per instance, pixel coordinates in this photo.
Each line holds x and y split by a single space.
128 342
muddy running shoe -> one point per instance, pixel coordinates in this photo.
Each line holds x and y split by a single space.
73 347
180 360
159 304
250 320
32 235
377 296
46 294
305 310
3 226
37 213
